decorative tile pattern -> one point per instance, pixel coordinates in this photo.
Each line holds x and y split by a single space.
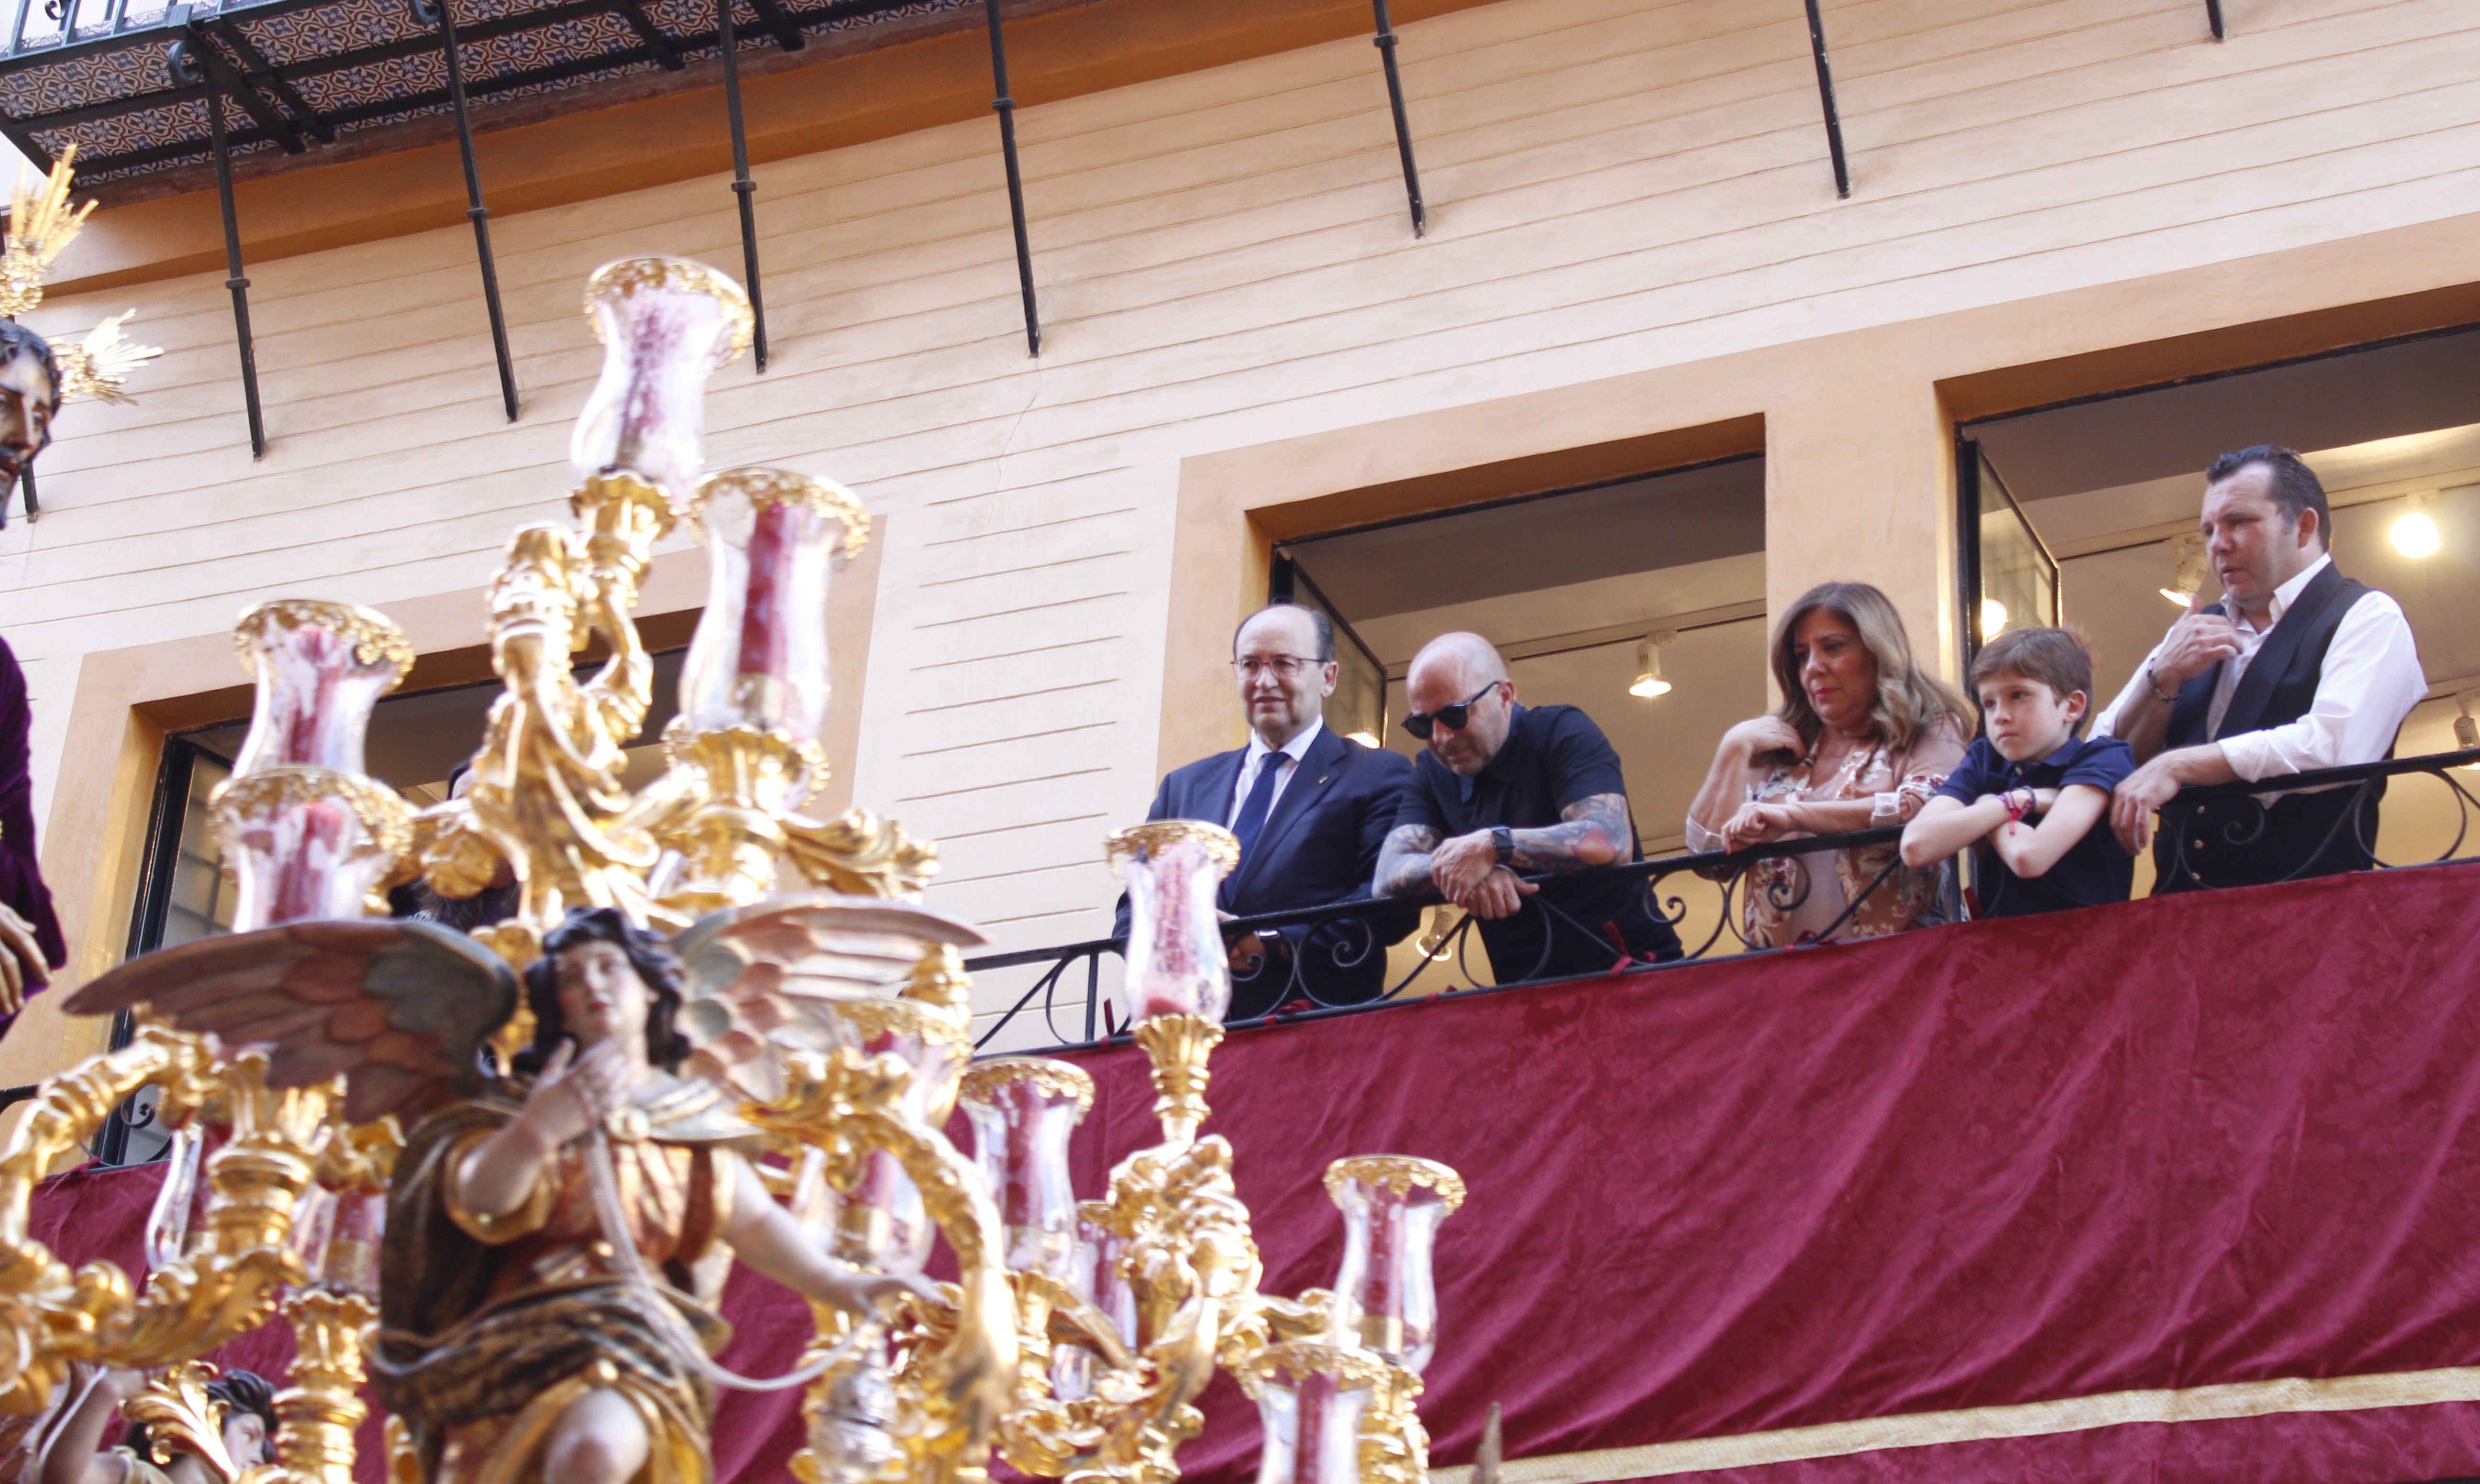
35 81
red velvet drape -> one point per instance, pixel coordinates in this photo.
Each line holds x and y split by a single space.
2220 1138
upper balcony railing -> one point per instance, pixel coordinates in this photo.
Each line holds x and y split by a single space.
1290 978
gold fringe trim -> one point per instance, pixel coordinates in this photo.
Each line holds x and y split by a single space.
1974 1424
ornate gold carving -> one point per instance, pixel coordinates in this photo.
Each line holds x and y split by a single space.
40 225
1300 1359
939 979
381 809
1049 1077
1222 847
860 855
630 274
180 1417
374 636
1179 1046
99 365
761 486
317 1414
1397 1172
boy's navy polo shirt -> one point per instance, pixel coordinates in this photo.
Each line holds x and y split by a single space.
2094 870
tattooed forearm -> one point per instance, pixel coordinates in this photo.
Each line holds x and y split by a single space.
1404 861
1591 831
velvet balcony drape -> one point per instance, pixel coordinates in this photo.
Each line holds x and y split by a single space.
2180 1190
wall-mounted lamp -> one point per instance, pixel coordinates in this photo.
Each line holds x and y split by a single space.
1364 738
2467 731
1649 683
2414 534
2187 549
1993 619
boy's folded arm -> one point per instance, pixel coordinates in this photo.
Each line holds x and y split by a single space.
1946 825
2080 807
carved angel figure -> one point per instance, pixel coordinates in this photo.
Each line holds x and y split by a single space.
554 1237
185 1428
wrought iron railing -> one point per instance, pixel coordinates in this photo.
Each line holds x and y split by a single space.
1335 942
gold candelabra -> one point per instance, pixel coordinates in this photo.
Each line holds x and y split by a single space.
1075 1341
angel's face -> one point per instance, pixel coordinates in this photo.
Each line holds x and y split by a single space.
600 995
245 1437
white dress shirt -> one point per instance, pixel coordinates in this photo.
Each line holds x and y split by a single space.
2371 679
1288 760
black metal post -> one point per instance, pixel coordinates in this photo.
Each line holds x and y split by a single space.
1403 127
1005 107
743 187
2214 17
188 68
26 482
1825 95
438 12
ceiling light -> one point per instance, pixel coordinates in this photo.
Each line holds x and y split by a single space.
1993 619
2415 535
2187 548
1364 738
2467 731
1649 683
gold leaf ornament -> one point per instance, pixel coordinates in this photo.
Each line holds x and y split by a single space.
99 365
40 224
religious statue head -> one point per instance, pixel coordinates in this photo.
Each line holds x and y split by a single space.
600 976
30 394
168 1423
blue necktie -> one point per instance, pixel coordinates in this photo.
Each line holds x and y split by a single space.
1261 800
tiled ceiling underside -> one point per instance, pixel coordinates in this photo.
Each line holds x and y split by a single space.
323 71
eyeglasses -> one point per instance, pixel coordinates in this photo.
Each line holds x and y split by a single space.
1284 665
1455 716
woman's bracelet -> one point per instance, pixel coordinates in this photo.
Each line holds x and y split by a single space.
2015 811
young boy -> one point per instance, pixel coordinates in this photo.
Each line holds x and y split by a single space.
2031 797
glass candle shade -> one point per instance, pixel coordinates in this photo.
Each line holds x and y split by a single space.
667 324
882 1222
306 844
1311 1399
351 1264
759 657
313 1230
1023 1110
1093 1271
1176 966
1386 1300
320 667
180 1201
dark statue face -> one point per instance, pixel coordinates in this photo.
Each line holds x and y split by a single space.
28 397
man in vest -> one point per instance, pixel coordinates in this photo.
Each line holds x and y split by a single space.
2298 668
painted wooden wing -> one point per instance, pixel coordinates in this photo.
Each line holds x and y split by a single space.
401 1008
768 974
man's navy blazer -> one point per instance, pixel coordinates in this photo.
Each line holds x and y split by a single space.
1319 846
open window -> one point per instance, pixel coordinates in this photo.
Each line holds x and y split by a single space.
1639 600
2102 495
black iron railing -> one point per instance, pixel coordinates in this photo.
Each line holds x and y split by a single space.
1298 955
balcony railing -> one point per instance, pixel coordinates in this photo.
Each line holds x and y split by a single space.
1353 930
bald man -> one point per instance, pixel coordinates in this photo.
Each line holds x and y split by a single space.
1506 792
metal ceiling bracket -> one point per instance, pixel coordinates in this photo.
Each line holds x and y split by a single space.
257 71
788 35
743 189
1825 95
439 13
2213 18
187 69
1403 127
666 55
1005 107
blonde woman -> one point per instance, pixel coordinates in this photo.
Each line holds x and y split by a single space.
1862 739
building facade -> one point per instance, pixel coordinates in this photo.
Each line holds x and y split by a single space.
1635 266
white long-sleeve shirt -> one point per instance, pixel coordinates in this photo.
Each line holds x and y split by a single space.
2371 679
1260 755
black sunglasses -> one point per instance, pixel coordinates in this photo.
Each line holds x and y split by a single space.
1455 716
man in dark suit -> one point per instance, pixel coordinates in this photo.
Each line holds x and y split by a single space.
1311 810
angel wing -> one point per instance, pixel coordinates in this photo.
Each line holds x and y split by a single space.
766 974
401 1008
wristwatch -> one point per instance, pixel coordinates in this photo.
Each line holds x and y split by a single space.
1503 839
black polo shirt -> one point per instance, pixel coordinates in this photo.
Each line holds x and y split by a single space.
2094 870
1554 756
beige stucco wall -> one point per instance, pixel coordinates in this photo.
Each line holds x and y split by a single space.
1634 231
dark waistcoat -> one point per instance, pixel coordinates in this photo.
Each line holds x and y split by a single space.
2231 841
